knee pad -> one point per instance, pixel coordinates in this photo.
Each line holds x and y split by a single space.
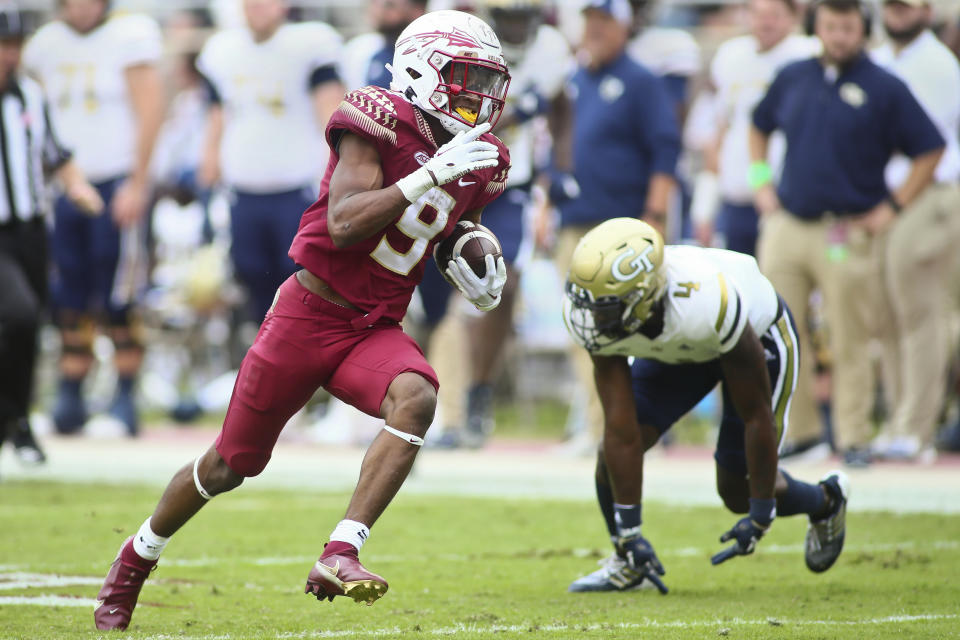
248 464
126 330
77 331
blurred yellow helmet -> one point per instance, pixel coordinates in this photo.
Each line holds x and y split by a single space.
616 276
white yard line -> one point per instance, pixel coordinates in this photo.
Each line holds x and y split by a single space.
19 580
46 601
578 628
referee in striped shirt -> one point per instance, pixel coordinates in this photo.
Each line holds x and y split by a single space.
29 153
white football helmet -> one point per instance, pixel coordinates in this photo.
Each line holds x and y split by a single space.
450 64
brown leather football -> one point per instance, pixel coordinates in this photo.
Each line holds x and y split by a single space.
471 241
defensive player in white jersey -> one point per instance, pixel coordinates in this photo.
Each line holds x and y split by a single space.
106 99
664 326
740 72
273 86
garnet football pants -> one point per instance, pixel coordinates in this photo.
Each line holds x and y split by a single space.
307 342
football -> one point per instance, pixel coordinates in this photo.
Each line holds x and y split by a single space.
473 242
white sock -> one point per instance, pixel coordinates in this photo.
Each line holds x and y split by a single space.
351 532
147 544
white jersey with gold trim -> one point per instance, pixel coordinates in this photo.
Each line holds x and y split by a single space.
741 73
710 297
83 76
271 138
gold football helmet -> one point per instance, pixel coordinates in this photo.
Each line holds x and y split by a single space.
616 276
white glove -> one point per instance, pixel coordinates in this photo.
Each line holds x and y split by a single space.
463 154
484 292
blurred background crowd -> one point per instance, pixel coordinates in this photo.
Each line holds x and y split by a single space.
181 140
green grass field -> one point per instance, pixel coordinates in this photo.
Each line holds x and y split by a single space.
463 567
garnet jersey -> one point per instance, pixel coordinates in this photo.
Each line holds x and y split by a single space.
380 273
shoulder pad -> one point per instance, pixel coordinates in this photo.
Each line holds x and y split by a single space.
499 180
373 110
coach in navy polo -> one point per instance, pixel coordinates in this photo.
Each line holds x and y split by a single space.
625 143
625 136
843 118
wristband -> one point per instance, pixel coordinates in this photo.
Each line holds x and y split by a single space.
763 511
759 174
417 183
627 518
896 206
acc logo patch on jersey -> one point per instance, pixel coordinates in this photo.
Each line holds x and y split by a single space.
421 157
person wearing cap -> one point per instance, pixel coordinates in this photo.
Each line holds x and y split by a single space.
31 148
106 94
623 151
824 224
921 246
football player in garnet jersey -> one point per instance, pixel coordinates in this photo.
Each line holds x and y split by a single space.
406 164
690 318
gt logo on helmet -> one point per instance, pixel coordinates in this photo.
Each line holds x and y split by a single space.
641 263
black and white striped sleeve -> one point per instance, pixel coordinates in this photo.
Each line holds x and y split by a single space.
54 153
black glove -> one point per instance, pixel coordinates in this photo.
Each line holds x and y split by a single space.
748 531
642 559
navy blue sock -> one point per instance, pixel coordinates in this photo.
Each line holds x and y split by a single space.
70 386
800 497
605 498
125 385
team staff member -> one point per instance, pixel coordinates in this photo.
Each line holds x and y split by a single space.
921 245
625 144
843 118
740 73
274 86
107 100
28 147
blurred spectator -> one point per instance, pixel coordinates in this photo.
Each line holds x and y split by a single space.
922 242
107 100
540 61
273 86
671 53
31 149
674 55
366 56
625 144
740 72
843 118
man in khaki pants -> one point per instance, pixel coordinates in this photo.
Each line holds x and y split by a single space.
624 143
843 118
922 243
